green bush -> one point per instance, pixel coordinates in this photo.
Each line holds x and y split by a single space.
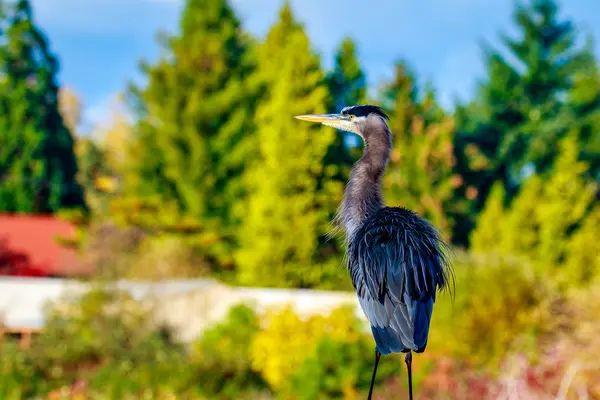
223 356
337 369
108 340
18 378
499 305
105 340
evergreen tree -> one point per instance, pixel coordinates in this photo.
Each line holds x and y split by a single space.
193 137
522 111
549 221
347 86
583 251
568 198
520 225
421 172
92 167
285 217
584 100
488 234
37 160
347 82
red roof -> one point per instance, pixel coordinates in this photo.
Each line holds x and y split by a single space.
30 246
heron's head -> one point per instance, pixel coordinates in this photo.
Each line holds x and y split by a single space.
356 119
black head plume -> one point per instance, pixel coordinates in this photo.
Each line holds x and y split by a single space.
363 110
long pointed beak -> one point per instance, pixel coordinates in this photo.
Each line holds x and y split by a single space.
322 118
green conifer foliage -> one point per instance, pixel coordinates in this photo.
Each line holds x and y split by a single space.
284 217
347 86
568 198
193 136
551 223
583 251
584 100
347 82
522 109
37 160
421 173
488 234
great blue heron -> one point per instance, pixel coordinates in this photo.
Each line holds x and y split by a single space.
396 259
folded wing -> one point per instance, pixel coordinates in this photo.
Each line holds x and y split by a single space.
397 263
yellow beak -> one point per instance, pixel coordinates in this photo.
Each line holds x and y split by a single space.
322 118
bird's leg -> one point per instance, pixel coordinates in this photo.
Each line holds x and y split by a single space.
408 360
377 355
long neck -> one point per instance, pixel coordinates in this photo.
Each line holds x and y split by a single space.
363 197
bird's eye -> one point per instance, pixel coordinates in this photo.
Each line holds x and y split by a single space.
351 117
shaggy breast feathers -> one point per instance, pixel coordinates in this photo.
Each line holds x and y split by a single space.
397 264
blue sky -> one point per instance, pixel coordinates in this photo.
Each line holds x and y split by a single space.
100 42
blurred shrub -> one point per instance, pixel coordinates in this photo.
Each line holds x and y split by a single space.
551 223
165 257
320 357
76 329
108 340
111 248
224 359
286 341
152 214
583 252
578 346
131 253
17 376
499 304
340 369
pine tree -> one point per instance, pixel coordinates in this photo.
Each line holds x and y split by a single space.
521 111
421 173
347 82
37 161
347 86
520 225
583 251
193 136
488 235
568 198
584 101
550 222
284 216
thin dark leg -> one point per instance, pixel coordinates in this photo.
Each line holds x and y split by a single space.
408 360
377 355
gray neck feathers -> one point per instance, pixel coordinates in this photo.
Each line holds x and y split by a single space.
363 196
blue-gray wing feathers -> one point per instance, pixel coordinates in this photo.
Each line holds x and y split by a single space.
397 262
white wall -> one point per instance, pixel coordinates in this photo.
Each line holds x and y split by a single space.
188 306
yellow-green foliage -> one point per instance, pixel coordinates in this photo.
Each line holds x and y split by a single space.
519 226
105 339
337 369
488 233
583 251
16 373
551 223
130 253
192 137
286 341
283 219
421 174
223 353
498 303
155 215
567 200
